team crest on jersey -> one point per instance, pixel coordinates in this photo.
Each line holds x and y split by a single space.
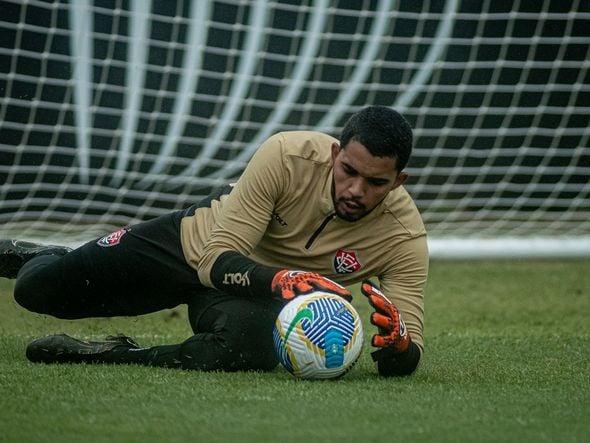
346 262
112 239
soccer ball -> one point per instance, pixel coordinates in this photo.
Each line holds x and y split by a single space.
318 336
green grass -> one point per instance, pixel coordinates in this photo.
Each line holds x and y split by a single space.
507 360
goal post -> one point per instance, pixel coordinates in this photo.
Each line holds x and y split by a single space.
117 111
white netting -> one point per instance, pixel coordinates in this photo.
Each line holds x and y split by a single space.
113 111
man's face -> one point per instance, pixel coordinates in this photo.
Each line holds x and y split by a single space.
361 180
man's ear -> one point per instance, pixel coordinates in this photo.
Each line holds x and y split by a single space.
400 179
335 151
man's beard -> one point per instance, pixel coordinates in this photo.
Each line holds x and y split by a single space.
360 213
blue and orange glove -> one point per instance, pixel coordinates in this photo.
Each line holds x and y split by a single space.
289 284
392 329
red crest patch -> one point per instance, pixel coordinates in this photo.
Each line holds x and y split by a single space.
111 239
346 262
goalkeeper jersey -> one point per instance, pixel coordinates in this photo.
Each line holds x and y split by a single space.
280 213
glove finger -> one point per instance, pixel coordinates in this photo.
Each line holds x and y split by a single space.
287 294
381 341
375 296
368 289
333 288
302 287
381 304
382 321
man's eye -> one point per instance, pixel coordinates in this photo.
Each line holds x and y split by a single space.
349 170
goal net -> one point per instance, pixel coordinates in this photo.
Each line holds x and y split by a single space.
116 111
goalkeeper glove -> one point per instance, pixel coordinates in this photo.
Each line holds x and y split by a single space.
289 284
392 329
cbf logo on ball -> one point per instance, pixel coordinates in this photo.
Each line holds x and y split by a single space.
318 336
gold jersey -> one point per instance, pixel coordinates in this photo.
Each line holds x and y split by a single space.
280 213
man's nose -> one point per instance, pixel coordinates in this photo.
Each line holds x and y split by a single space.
357 187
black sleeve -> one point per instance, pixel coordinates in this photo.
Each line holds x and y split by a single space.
237 274
391 364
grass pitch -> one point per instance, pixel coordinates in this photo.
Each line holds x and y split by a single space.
507 360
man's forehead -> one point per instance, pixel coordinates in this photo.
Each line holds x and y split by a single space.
359 157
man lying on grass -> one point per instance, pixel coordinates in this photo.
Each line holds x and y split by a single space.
310 212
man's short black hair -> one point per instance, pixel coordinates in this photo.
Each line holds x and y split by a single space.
383 131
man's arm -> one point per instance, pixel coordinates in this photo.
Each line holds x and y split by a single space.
243 219
236 274
399 309
398 355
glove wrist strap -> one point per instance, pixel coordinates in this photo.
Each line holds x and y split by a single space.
392 364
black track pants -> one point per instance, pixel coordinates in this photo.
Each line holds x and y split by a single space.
141 269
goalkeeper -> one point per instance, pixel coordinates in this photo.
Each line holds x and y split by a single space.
309 212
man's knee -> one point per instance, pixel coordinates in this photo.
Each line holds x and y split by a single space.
35 299
31 289
39 287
